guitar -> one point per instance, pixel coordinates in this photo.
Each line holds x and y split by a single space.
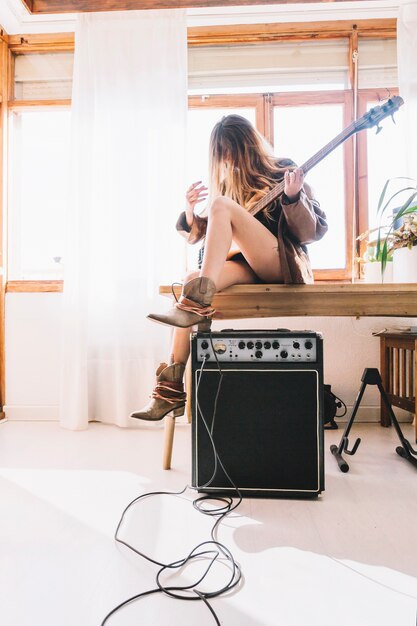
369 120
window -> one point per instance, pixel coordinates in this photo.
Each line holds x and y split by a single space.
269 67
200 123
46 76
298 93
381 157
39 164
300 131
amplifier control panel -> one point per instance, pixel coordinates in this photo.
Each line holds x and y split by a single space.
293 348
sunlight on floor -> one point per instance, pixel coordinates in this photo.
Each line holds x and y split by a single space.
88 497
346 558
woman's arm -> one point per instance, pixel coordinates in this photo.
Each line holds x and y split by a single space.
189 225
194 233
305 220
195 194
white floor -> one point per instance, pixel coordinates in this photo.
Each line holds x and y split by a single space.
346 559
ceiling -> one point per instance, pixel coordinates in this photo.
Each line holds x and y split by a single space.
15 17
71 6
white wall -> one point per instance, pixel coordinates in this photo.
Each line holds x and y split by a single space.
33 331
33 334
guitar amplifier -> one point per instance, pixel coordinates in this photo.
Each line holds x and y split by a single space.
257 398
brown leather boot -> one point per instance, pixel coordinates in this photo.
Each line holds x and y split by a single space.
168 394
193 307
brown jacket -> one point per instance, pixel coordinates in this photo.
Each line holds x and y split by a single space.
300 223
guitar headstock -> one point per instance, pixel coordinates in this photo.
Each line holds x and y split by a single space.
379 113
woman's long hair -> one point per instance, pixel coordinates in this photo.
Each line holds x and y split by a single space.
242 166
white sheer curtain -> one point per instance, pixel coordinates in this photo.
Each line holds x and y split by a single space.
407 78
129 114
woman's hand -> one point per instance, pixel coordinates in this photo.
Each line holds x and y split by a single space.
196 193
293 181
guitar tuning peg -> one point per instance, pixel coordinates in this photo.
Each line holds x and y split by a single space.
393 118
378 129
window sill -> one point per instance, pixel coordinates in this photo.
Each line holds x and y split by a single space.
34 286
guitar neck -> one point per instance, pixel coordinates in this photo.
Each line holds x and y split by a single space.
276 191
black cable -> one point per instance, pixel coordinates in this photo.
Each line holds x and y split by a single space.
173 292
211 549
228 508
339 404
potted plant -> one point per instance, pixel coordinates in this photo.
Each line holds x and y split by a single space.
371 262
398 235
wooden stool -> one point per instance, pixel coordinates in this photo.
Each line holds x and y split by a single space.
398 354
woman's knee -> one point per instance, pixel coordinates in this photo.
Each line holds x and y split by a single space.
191 276
220 205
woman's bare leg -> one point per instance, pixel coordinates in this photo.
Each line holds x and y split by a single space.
233 273
180 344
228 221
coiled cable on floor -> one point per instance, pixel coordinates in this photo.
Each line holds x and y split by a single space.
211 550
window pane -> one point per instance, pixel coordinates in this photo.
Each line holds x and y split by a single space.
46 76
377 63
300 132
386 159
39 164
268 67
200 124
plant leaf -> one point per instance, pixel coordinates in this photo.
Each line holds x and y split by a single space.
384 190
397 193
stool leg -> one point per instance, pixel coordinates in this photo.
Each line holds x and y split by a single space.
169 425
169 428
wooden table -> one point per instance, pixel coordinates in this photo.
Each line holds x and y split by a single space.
325 299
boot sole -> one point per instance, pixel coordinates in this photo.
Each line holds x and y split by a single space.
178 412
153 319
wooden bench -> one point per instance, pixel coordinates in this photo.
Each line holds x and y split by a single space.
324 299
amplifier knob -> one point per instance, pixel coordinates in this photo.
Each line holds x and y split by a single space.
267 345
250 345
283 354
258 354
296 344
258 345
204 345
275 345
242 345
220 347
308 345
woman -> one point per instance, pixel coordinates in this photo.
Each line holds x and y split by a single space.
270 245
